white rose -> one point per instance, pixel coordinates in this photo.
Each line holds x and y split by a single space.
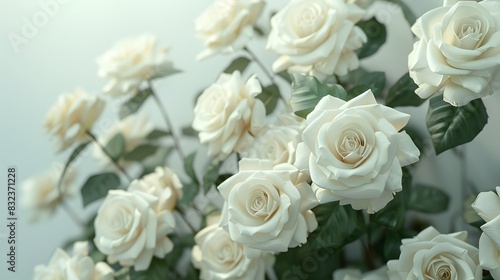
40 194
268 208
78 266
132 61
279 141
316 37
134 128
431 255
226 113
227 25
130 231
72 116
219 257
487 206
458 52
163 184
355 274
354 151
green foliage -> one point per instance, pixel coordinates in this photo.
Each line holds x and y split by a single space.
157 133
157 159
402 93
189 131
133 104
377 35
338 226
141 152
239 64
162 72
189 168
159 269
360 80
97 186
285 76
116 146
307 91
451 126
428 199
76 152
211 175
190 190
407 12
269 96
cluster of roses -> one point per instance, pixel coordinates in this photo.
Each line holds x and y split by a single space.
347 151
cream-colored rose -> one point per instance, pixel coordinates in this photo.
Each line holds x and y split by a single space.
78 266
71 117
278 142
130 231
354 151
316 37
355 274
217 256
41 196
268 208
227 113
458 51
487 206
163 184
131 62
134 128
227 25
431 255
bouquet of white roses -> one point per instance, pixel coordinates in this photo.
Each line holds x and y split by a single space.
306 175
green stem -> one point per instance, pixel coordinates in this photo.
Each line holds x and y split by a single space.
183 216
94 139
170 127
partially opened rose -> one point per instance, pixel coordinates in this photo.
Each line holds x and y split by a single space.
316 37
458 52
227 25
431 255
268 208
487 206
354 151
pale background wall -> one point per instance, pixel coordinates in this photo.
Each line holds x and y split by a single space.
61 55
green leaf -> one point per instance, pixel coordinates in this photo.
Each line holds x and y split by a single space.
189 131
307 91
189 192
189 167
392 215
222 178
157 159
258 30
451 126
97 187
362 80
211 175
157 270
160 72
76 152
402 93
428 199
141 152
376 34
285 76
392 244
269 97
157 133
133 104
407 12
116 146
240 64
338 226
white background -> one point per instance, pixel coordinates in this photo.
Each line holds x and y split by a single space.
62 55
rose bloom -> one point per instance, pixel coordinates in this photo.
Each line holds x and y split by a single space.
40 194
487 206
458 52
278 142
316 37
78 266
227 112
130 231
354 151
134 128
71 117
431 255
227 25
355 274
132 61
219 257
268 208
163 184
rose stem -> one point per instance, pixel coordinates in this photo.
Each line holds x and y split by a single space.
183 216
261 65
94 139
163 111
72 214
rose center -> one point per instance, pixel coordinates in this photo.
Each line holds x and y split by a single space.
351 146
308 19
260 204
225 254
469 33
442 269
